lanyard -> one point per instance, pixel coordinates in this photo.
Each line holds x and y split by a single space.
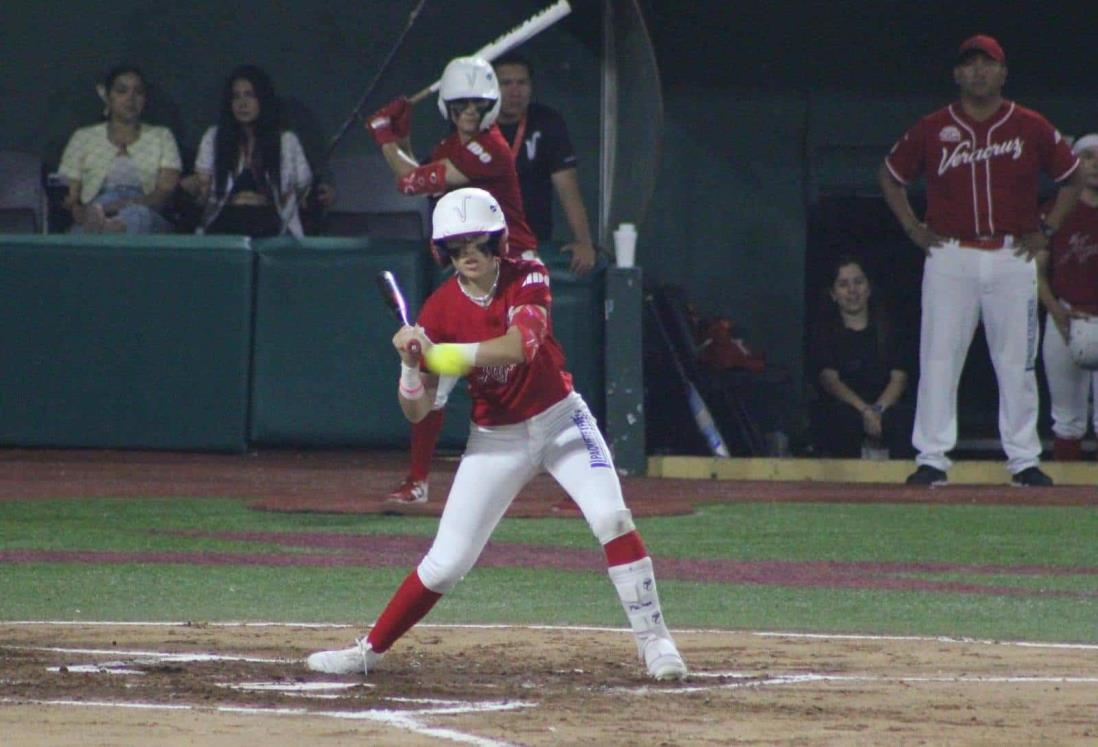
520 131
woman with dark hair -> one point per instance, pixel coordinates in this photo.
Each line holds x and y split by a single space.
251 173
859 369
121 171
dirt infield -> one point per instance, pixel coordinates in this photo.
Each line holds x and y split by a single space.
230 685
357 481
212 684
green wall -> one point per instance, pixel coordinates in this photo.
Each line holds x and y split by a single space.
768 105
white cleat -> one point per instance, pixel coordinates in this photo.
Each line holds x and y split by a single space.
358 659
663 659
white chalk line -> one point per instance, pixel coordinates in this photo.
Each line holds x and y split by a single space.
153 657
566 628
746 680
406 720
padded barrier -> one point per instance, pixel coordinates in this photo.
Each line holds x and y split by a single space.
125 341
624 359
215 342
324 370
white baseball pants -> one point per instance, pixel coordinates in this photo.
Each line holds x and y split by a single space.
499 461
1069 386
961 286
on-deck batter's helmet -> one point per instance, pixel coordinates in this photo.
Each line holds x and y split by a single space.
1083 342
467 211
469 78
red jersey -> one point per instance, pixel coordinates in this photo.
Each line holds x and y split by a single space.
502 395
1073 259
488 163
981 177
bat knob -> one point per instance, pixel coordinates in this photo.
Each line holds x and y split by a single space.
413 348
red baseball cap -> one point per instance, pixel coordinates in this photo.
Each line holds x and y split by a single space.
982 43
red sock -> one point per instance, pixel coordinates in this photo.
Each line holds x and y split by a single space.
409 604
628 548
424 438
1067 449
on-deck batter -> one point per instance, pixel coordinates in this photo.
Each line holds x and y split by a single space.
1069 290
981 158
474 154
526 417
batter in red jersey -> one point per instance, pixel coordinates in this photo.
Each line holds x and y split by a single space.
474 154
981 159
1069 291
494 316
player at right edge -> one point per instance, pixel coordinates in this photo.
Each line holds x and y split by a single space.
981 158
493 314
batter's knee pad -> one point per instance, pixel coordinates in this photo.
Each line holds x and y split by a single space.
441 576
609 526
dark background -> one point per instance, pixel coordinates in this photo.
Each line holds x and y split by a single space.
776 114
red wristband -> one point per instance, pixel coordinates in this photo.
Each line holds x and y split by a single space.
424 180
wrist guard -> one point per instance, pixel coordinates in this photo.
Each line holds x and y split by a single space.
424 180
533 324
411 382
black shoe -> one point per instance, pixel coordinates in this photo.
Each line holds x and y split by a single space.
1031 477
928 476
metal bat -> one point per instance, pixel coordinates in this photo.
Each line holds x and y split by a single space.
394 299
508 41
702 417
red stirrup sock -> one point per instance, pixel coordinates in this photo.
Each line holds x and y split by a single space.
628 548
409 604
1067 449
424 438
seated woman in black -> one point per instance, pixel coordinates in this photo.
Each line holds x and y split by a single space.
860 371
251 173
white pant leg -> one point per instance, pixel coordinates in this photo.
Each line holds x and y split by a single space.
1008 301
950 312
1068 385
496 465
577 457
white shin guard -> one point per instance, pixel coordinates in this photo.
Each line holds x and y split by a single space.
636 585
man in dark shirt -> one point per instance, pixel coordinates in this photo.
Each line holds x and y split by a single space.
543 156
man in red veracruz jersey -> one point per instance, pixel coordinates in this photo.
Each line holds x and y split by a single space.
1069 292
981 158
475 154
493 315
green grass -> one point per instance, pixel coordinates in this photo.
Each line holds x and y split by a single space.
977 535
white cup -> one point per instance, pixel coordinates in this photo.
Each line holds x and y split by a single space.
625 244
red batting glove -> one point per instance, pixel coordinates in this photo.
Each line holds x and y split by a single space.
400 112
391 122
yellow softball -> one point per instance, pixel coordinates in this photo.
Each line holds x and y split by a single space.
447 359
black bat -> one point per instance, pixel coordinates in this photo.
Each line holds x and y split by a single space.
393 297
707 426
357 111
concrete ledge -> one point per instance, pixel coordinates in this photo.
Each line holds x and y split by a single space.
852 470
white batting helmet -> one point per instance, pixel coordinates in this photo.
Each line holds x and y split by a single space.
467 211
469 78
1083 342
